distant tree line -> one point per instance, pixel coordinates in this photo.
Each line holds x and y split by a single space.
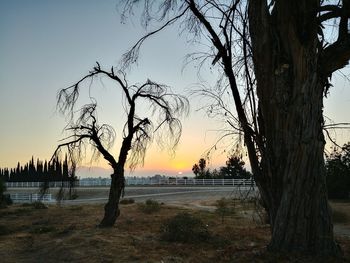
234 169
39 171
337 171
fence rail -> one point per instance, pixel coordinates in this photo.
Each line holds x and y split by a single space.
38 184
190 182
29 198
100 182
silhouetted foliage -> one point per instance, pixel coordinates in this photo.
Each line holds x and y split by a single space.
41 171
200 170
2 186
234 169
4 199
338 172
139 128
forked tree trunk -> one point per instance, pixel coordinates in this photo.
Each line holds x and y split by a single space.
111 209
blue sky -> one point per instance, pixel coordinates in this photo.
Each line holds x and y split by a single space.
47 45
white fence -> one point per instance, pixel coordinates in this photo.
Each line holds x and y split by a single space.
189 182
29 198
37 184
100 182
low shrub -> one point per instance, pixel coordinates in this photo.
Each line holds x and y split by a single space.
184 228
74 196
127 201
39 205
67 230
150 206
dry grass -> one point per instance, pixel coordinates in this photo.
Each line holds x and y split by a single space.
69 234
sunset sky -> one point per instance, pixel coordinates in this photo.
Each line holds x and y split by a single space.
47 45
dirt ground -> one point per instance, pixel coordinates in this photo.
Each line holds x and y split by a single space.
69 234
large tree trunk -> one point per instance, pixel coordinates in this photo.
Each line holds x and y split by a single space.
111 209
300 216
290 90
299 212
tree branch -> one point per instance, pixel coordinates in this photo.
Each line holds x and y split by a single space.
132 55
335 56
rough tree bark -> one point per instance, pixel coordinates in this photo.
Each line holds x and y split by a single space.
290 88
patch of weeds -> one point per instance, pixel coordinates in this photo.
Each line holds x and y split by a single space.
340 217
74 196
39 205
150 206
67 230
127 201
259 216
185 228
224 207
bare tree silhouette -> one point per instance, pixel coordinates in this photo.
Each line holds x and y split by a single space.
163 122
276 60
